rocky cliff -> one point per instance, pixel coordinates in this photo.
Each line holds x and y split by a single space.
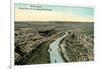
77 47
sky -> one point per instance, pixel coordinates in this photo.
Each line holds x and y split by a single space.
35 12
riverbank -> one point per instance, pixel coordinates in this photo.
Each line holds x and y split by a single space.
76 47
39 54
55 56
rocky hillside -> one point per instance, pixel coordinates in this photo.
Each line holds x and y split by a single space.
77 47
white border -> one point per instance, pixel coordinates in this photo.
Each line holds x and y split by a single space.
46 66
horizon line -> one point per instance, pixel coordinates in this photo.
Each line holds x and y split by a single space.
56 21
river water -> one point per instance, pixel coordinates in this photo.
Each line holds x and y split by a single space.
54 50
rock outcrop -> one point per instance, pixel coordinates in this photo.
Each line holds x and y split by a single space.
77 47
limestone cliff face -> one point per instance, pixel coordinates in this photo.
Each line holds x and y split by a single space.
77 47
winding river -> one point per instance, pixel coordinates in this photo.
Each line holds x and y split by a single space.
54 50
